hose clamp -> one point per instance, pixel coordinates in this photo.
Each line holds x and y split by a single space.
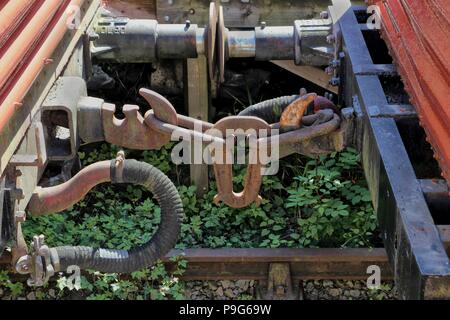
118 167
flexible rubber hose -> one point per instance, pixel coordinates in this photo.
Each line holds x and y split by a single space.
165 238
269 110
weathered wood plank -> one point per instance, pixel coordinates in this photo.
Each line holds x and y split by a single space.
241 14
136 9
315 75
198 104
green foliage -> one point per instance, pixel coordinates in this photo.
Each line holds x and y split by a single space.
326 204
332 209
322 202
14 289
154 283
385 291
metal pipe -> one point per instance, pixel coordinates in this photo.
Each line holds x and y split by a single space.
142 40
201 41
124 40
11 14
241 44
274 43
56 199
31 71
263 43
176 41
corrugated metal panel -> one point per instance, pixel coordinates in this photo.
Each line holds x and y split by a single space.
28 36
418 35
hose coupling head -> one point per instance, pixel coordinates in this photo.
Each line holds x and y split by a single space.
40 264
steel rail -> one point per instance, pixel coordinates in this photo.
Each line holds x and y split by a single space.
253 264
305 263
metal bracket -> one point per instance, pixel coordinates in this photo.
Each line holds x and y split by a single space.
132 132
32 160
38 264
280 285
59 111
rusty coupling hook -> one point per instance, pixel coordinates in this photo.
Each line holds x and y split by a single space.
296 129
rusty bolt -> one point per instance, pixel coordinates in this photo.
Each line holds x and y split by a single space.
324 15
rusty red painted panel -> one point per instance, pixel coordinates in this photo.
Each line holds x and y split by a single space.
418 35
18 71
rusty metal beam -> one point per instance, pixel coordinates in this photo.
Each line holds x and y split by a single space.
253 264
305 263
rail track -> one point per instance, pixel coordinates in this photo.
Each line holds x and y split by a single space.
302 264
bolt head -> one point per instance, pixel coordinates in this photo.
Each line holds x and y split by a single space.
329 70
324 15
335 81
335 63
93 36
